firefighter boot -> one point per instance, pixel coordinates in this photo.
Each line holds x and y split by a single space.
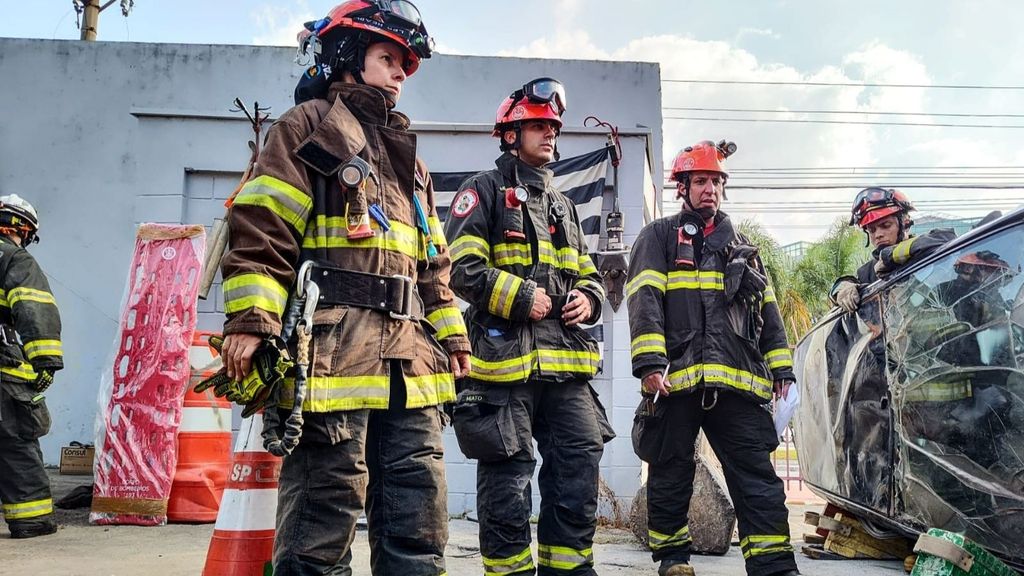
32 530
675 568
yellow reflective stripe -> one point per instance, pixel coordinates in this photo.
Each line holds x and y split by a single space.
503 294
467 245
23 371
569 258
759 545
686 378
26 294
940 391
286 201
590 285
651 278
37 348
518 563
587 265
332 232
739 379
568 360
901 252
447 322
25 510
563 558
657 540
652 343
769 295
437 230
429 390
510 370
546 253
333 393
779 357
3 299
512 253
251 290
695 279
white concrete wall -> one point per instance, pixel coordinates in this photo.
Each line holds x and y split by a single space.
102 136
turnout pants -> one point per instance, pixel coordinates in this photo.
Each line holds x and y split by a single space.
569 424
742 435
24 487
390 461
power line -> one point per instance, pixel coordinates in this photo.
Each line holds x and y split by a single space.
860 122
866 112
840 84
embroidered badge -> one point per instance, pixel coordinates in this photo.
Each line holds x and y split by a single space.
465 203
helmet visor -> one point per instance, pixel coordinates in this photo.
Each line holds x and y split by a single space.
403 10
546 91
870 198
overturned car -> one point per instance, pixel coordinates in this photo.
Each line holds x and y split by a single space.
913 407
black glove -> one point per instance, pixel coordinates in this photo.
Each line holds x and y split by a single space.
742 280
43 380
270 363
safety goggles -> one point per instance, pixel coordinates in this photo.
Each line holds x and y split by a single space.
869 198
542 91
402 10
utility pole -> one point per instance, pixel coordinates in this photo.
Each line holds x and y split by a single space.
90 10
90 19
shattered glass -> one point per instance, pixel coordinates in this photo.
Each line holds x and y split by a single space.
914 406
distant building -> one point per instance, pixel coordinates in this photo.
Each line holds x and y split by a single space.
928 222
796 250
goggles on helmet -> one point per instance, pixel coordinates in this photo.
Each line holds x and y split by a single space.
873 198
541 91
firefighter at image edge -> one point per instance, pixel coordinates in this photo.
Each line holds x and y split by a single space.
520 260
707 340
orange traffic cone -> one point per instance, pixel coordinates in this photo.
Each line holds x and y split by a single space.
204 443
243 537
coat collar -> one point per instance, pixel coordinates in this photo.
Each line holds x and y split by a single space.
722 235
510 166
367 104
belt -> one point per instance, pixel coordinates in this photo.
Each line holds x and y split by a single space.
396 295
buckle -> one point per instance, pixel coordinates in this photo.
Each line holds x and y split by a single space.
407 296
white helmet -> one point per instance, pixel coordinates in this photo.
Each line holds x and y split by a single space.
16 212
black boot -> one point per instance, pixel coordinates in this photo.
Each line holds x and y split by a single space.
32 530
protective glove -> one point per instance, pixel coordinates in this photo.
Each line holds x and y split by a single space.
270 363
847 296
43 380
742 280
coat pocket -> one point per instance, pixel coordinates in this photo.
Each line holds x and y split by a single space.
483 424
607 431
327 328
32 417
649 432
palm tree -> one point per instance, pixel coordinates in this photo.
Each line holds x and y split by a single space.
839 253
794 311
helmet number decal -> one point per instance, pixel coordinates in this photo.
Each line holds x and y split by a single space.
465 203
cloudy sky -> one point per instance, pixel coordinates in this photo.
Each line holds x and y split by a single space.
922 43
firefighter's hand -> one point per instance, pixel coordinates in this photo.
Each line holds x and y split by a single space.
781 388
655 384
541 304
237 353
43 380
460 364
848 296
577 309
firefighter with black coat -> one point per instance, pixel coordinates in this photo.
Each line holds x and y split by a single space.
520 260
708 339
30 352
884 216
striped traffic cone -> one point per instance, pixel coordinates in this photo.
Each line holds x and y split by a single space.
243 537
204 443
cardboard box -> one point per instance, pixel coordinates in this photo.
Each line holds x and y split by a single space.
76 459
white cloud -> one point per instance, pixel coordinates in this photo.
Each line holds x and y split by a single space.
279 25
747 31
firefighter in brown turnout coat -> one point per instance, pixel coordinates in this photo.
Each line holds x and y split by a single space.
708 339
30 352
339 184
521 262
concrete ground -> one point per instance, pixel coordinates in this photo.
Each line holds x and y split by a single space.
79 549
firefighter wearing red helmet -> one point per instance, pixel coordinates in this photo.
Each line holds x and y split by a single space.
340 200
707 340
521 262
31 347
884 216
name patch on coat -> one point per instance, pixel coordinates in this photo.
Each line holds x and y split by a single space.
465 203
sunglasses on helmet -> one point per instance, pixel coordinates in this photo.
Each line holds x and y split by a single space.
869 198
541 91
